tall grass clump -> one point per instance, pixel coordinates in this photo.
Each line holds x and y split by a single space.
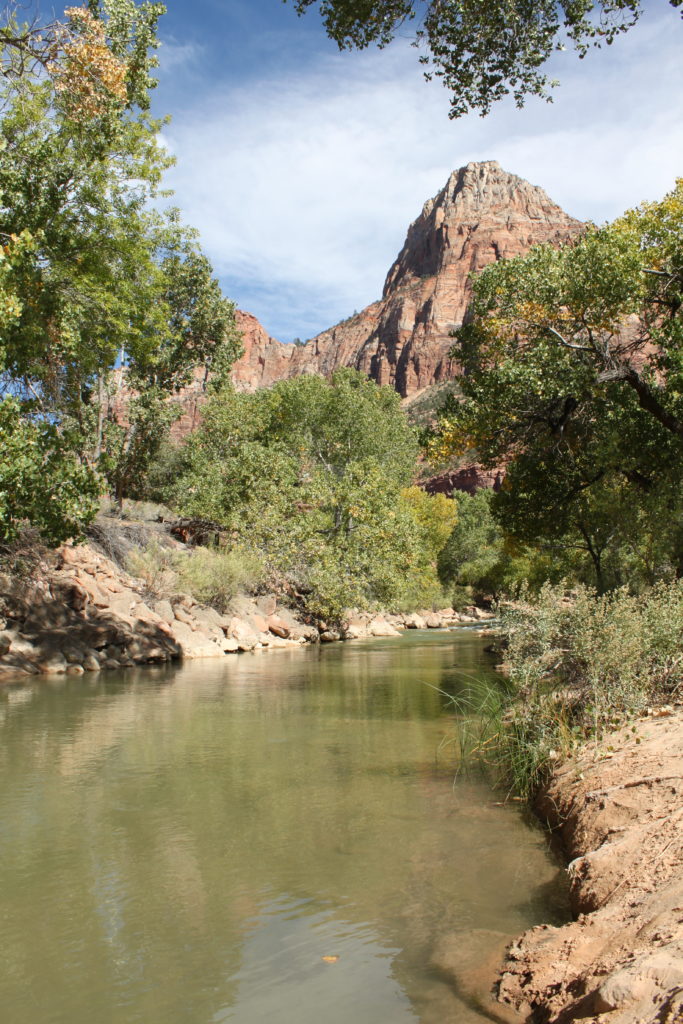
579 665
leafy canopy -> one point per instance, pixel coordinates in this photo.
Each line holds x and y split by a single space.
483 50
93 277
574 381
312 475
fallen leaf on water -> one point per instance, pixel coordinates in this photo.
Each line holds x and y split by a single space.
329 959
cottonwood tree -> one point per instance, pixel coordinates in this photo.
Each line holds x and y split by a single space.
95 280
312 475
573 379
483 50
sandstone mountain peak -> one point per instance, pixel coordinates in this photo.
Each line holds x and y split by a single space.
479 198
482 214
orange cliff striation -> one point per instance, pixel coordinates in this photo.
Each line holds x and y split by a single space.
482 214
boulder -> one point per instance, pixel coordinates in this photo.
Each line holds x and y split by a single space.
433 621
182 615
22 646
266 604
204 648
210 619
52 662
380 627
6 639
17 663
414 621
277 626
304 633
356 624
164 610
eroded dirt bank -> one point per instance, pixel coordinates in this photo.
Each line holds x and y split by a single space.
619 809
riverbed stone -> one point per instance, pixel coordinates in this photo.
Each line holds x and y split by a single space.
433 621
74 670
380 627
468 961
54 661
91 663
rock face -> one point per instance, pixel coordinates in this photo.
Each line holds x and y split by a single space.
482 214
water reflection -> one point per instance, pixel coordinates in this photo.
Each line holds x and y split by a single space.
185 845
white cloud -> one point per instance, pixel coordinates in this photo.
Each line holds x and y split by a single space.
303 189
173 55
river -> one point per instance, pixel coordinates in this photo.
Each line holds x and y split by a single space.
274 837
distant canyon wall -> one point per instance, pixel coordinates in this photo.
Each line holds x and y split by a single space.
482 214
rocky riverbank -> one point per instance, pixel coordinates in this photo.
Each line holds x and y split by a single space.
81 612
618 807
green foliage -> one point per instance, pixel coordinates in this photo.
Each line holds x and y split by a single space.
579 665
474 553
40 479
580 400
212 576
435 514
92 276
309 474
486 50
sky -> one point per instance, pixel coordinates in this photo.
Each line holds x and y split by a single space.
302 167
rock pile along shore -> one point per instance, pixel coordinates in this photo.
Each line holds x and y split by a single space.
85 614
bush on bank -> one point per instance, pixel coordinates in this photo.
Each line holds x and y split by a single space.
212 576
579 664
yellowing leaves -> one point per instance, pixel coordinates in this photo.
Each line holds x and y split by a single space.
88 75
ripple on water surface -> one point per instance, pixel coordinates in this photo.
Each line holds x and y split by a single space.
277 837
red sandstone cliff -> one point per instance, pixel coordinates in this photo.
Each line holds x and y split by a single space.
481 215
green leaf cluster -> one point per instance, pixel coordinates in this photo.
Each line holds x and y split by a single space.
483 50
574 382
107 304
312 475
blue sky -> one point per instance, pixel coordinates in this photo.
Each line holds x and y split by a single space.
302 166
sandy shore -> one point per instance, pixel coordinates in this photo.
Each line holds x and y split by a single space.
618 807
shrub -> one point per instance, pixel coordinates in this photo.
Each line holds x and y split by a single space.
579 665
212 576
157 567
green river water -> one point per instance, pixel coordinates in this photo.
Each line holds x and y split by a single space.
184 846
